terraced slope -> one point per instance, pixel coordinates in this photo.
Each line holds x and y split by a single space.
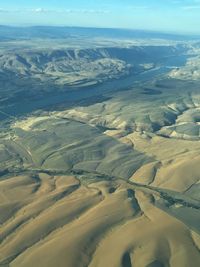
57 144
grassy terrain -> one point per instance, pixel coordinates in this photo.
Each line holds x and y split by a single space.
99 154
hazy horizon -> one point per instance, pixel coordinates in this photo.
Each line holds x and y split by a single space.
166 16
170 32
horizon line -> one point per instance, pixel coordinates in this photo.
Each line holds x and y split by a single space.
173 32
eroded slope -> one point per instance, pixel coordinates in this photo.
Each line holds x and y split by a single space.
112 181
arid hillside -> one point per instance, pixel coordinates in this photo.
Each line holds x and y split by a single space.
99 155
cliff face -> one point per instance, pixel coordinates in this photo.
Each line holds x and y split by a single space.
41 73
83 66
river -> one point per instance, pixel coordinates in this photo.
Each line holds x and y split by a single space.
71 97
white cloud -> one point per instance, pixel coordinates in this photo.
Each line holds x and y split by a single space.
75 11
39 10
92 11
56 11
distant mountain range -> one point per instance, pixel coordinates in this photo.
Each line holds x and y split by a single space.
10 33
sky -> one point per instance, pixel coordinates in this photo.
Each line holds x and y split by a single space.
160 15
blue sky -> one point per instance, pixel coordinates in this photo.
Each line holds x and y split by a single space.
165 15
